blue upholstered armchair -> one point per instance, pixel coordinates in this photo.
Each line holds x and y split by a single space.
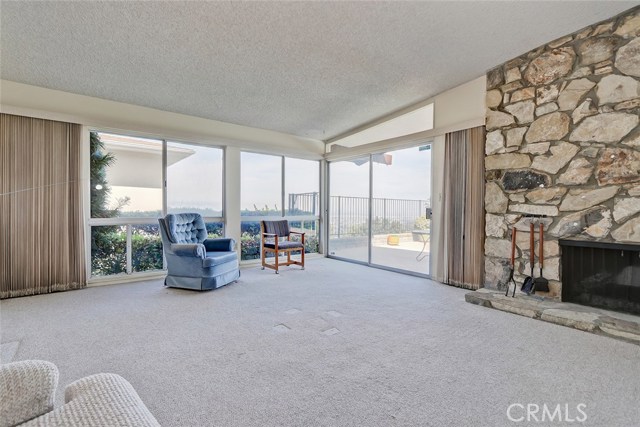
193 260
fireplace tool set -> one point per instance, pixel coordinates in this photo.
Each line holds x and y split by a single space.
530 284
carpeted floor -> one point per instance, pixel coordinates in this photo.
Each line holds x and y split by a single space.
335 345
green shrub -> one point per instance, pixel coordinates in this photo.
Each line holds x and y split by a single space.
109 250
422 223
146 252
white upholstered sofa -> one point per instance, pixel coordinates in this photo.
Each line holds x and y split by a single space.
27 392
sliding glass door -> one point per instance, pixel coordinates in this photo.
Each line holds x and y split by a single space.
401 204
380 209
349 209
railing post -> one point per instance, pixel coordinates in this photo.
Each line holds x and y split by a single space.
314 201
384 217
339 214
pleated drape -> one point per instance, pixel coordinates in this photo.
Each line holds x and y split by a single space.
462 219
41 225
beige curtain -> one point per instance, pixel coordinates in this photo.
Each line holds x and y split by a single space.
41 228
461 239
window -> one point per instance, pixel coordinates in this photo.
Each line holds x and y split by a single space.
302 187
263 197
188 167
261 185
127 197
126 176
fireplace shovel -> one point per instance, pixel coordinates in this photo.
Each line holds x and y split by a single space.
540 283
528 286
513 260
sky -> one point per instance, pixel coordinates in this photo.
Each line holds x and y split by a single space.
407 177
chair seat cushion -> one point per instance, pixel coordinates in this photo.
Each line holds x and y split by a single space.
219 257
286 244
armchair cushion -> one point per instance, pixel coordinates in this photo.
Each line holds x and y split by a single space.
220 244
284 244
27 390
219 257
186 228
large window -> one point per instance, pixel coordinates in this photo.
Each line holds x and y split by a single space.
126 176
301 187
194 179
261 185
127 194
263 197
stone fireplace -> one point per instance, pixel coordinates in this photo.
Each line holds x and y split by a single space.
563 143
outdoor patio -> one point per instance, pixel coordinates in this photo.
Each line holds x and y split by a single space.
407 254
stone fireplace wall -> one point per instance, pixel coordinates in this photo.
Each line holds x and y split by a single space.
563 141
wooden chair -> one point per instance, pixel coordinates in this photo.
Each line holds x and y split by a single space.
276 238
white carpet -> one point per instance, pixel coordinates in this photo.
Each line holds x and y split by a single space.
335 345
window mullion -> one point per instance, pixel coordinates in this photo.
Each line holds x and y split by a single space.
282 189
164 178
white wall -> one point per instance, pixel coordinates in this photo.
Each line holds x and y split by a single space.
34 101
462 107
461 104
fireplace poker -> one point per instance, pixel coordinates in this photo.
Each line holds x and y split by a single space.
541 283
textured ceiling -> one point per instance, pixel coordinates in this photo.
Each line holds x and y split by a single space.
310 69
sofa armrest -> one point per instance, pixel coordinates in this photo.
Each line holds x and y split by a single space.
27 390
223 244
97 401
195 250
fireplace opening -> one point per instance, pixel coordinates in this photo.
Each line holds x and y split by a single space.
601 274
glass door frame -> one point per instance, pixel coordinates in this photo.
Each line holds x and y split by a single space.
368 263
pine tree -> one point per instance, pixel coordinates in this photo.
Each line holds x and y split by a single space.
107 256
100 188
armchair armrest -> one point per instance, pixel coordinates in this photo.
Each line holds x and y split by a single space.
195 250
298 233
219 244
266 236
27 390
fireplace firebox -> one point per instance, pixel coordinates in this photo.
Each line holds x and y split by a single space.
601 274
